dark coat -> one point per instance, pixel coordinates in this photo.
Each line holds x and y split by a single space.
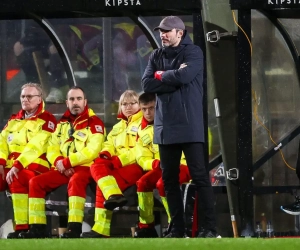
179 109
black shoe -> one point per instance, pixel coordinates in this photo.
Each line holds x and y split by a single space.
92 234
175 235
74 230
145 233
293 209
205 233
15 234
36 231
115 201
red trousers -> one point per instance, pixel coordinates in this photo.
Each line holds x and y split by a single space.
153 179
46 182
21 185
3 183
125 177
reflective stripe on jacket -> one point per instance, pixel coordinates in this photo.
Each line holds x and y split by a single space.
122 139
24 141
146 150
83 145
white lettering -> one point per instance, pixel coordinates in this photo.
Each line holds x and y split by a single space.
282 1
270 2
137 2
289 2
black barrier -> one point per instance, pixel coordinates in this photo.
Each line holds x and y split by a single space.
265 4
47 6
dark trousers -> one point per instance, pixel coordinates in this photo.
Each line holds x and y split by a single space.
170 161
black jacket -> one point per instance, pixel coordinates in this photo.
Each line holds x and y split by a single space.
179 109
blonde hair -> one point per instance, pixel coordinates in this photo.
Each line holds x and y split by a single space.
34 85
127 95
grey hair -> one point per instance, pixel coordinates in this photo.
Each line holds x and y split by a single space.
34 85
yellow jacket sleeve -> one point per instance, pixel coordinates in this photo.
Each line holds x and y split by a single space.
35 147
109 145
53 150
144 156
90 152
3 149
127 157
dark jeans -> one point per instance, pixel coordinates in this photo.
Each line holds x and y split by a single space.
170 160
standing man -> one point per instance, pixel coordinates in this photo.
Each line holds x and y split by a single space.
74 145
175 74
23 146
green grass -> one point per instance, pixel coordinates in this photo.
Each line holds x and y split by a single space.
152 244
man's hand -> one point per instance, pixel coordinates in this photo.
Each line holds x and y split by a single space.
60 166
10 175
2 171
69 172
158 75
183 65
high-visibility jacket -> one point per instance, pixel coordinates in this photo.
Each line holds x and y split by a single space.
147 151
122 139
76 140
23 142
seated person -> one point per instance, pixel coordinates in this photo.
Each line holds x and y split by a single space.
116 168
77 141
147 156
23 149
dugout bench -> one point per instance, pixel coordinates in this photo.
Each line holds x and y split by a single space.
123 220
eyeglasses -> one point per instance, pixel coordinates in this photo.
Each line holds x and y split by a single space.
129 104
28 97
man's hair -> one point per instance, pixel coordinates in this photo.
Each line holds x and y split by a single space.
128 94
34 85
76 87
146 98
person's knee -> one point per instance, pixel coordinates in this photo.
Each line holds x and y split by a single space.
141 185
35 182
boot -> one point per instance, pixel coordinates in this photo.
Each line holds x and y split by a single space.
92 234
15 234
115 201
73 231
36 231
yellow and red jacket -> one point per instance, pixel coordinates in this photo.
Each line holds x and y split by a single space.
147 152
77 140
121 140
23 142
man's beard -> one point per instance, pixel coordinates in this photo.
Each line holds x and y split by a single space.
165 45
